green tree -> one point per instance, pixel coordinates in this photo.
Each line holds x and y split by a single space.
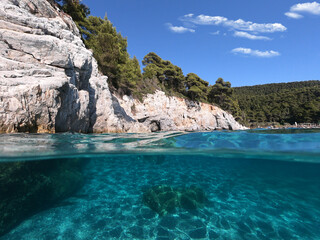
220 94
196 87
130 75
109 49
170 76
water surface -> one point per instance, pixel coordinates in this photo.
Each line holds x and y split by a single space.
262 184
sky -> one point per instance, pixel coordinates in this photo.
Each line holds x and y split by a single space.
246 42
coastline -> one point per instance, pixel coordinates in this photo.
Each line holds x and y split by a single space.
285 126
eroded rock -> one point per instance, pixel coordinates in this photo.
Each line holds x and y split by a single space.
162 113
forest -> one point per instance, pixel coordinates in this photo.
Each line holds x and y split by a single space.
281 103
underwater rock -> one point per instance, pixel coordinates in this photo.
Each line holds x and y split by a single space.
31 186
165 199
161 199
192 198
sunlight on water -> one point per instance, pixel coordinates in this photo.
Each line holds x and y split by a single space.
261 184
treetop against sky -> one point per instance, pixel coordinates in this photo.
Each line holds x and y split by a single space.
246 42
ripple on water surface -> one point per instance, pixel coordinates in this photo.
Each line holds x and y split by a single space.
252 193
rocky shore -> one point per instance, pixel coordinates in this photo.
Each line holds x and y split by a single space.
49 82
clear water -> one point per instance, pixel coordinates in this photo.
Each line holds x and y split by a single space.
259 185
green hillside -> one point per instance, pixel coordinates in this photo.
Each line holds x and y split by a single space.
280 102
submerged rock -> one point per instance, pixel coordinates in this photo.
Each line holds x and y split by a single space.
161 199
192 198
165 199
31 186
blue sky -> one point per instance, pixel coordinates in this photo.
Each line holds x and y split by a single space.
246 42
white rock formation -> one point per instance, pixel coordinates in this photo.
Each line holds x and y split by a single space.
164 113
49 82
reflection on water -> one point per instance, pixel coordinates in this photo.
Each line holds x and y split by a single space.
222 185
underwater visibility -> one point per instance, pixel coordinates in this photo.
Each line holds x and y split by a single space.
254 184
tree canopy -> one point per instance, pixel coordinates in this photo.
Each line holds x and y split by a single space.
170 76
282 102
197 88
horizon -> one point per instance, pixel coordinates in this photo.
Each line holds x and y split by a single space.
248 44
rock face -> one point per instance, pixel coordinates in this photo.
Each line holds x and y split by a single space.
49 82
162 113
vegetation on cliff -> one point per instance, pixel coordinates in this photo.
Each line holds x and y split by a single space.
125 77
282 103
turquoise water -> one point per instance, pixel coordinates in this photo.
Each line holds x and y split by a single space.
262 184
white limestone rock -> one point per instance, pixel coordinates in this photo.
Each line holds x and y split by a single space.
164 113
49 82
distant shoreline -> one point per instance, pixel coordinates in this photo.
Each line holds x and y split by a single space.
286 126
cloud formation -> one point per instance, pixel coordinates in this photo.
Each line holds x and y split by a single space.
255 53
179 29
215 33
250 36
293 15
308 7
233 24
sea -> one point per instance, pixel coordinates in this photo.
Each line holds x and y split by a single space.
252 184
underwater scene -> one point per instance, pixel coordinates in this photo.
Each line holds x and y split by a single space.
254 184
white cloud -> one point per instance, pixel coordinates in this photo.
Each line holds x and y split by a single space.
189 15
293 15
255 53
250 36
309 7
215 33
179 29
234 24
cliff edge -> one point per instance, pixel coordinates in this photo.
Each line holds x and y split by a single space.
49 82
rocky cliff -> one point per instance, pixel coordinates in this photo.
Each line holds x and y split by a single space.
162 113
49 82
